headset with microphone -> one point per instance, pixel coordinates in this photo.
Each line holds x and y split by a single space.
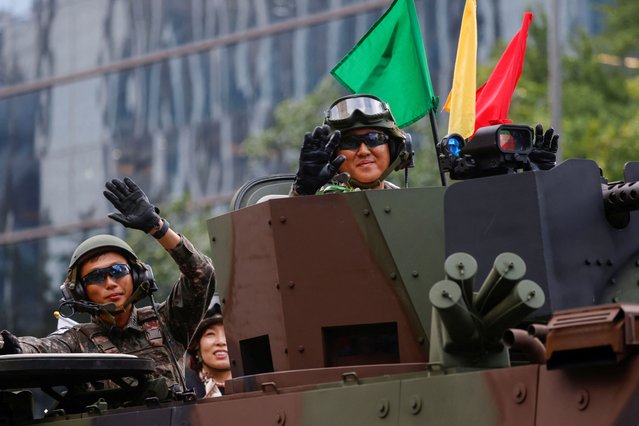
74 297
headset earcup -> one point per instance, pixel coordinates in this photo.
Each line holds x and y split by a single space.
135 275
141 272
148 276
406 148
75 289
78 292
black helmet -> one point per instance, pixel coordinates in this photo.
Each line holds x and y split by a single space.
213 315
73 289
360 111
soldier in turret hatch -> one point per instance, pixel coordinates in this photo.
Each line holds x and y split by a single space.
105 278
356 148
359 145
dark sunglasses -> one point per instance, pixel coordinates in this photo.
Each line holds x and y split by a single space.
98 276
371 139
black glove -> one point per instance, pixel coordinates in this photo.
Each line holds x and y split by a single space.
135 209
544 153
9 344
316 168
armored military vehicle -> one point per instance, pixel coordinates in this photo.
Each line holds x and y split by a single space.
504 298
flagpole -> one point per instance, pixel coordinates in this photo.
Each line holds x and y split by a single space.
433 126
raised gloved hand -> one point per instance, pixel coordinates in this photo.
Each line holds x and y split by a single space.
9 344
316 167
544 153
135 209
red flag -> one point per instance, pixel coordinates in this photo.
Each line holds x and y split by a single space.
493 98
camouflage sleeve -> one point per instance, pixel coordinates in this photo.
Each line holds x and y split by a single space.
58 342
191 294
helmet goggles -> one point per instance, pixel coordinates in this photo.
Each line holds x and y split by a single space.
365 109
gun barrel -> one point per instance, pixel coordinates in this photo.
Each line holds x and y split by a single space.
621 197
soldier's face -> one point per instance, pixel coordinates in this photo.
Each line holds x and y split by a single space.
111 290
365 164
213 348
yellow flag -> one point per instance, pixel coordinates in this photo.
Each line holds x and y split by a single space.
462 96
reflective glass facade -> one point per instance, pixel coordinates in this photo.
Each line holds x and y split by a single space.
163 91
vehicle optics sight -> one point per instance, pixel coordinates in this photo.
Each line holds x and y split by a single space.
492 150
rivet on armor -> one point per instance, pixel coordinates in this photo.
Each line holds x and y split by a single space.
393 276
387 209
383 407
421 340
366 212
283 219
300 348
415 404
415 274
588 262
213 239
519 393
291 284
583 399
280 418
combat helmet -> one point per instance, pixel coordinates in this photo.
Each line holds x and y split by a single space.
73 289
363 111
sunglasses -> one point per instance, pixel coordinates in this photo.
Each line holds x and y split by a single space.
98 276
371 139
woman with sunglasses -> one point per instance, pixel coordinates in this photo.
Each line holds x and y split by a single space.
356 148
105 279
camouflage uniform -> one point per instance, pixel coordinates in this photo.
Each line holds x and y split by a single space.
339 187
180 313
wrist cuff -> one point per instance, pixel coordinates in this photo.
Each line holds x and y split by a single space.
165 227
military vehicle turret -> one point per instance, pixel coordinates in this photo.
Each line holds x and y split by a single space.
505 298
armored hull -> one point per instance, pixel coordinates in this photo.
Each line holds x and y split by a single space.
344 309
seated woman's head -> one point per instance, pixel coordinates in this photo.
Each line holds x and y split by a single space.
208 350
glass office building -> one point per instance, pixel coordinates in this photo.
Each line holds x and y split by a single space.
165 91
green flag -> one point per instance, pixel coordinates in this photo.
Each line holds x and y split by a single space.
389 62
